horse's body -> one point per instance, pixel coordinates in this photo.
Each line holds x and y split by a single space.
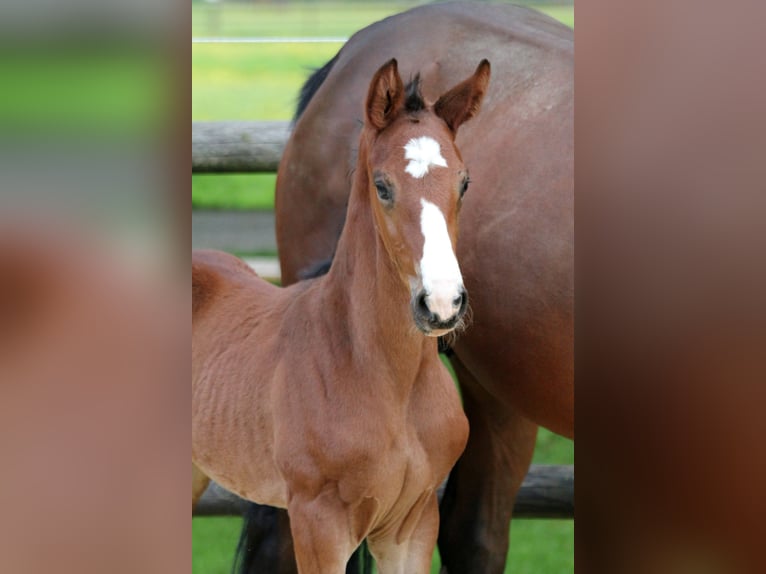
328 397
515 362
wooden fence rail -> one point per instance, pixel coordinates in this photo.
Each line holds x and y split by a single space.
237 146
547 492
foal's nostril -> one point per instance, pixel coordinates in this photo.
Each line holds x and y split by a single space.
457 301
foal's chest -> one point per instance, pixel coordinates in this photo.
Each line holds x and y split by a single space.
426 445
437 417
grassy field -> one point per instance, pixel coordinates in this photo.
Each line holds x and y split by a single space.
262 81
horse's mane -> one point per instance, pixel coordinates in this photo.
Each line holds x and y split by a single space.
311 86
413 98
316 269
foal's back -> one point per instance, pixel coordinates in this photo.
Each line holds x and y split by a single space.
229 298
215 273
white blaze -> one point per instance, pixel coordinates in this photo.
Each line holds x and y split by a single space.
439 270
423 152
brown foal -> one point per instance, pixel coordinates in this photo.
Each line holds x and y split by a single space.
328 397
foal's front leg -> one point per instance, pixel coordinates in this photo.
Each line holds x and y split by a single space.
411 555
322 533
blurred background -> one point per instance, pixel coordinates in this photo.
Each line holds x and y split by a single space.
87 93
249 60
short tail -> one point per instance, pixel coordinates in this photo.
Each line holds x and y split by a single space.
265 545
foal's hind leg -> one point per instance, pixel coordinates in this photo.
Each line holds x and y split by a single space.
481 490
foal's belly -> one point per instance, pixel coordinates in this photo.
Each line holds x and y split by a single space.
268 490
252 476
232 440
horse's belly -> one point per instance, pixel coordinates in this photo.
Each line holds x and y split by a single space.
256 480
265 489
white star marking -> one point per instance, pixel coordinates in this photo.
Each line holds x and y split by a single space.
423 152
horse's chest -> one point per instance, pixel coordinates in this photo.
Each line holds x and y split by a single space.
417 463
443 450
426 445
439 423
373 446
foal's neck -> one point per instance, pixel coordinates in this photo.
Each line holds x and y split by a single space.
376 301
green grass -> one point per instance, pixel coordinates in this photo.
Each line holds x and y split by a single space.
252 81
247 82
290 19
262 81
564 14
214 539
309 18
538 546
112 91
235 191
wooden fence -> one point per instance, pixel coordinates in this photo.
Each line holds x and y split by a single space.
238 147
547 492
256 147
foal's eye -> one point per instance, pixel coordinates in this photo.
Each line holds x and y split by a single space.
384 191
464 187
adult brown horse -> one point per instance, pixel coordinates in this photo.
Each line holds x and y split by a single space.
515 362
328 398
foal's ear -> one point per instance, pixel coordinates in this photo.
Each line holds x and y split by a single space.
463 101
385 96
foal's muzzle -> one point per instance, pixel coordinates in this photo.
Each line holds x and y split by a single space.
437 318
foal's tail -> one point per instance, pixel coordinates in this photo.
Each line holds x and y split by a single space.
264 545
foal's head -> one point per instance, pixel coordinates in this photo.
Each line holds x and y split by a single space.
416 182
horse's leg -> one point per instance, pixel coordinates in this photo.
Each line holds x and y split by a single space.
414 554
265 543
321 536
481 490
199 484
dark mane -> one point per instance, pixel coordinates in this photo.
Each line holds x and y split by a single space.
315 270
311 86
413 99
